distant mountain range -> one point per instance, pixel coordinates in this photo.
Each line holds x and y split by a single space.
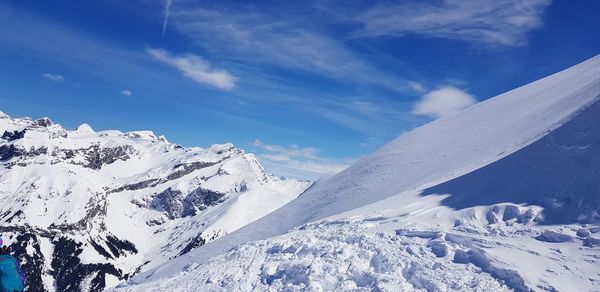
84 210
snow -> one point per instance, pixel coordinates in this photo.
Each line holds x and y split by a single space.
552 236
85 128
393 251
250 206
581 232
591 242
322 257
53 187
471 186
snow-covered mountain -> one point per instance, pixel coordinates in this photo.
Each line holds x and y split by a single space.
504 195
84 210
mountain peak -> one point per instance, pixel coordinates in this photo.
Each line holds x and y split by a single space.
85 128
43 122
219 148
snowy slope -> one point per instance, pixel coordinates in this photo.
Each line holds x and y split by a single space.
119 203
483 185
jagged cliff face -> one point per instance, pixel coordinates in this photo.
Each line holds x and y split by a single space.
84 210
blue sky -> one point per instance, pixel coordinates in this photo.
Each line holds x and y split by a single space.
310 86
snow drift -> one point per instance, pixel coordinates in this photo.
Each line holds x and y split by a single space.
560 172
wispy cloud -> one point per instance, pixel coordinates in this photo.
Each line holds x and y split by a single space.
82 53
443 101
297 162
417 86
166 15
54 77
363 114
248 36
281 153
195 68
492 22
106 61
126 92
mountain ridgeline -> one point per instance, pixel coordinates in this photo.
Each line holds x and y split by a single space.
83 210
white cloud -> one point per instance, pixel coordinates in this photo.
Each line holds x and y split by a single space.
416 86
75 50
246 36
195 68
286 153
53 77
370 115
443 101
126 92
166 15
296 162
492 22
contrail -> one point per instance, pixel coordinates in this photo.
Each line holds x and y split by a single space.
166 19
